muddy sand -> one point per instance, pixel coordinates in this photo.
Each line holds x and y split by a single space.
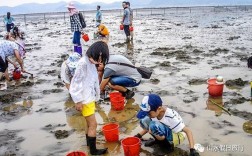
183 49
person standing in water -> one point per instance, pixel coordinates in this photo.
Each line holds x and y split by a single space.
98 15
126 20
85 91
8 21
76 27
131 19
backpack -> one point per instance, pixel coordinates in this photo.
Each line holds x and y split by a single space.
250 62
82 20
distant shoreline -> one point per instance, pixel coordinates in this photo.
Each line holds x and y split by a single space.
247 6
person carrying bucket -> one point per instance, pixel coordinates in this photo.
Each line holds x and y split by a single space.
118 75
126 20
131 19
76 27
164 124
84 89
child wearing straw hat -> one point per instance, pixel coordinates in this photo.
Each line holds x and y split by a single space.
164 124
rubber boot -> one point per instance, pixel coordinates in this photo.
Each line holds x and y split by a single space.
79 50
75 48
165 145
92 147
87 140
151 141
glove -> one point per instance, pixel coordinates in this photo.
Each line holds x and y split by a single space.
138 135
193 152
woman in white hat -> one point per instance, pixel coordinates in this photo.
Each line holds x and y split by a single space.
76 27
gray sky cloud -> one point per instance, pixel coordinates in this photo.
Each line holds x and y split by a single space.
18 2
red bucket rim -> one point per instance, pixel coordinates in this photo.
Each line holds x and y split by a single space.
109 124
85 154
138 141
213 79
115 93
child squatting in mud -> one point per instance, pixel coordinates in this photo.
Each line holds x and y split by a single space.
164 124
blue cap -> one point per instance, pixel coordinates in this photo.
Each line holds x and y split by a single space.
149 103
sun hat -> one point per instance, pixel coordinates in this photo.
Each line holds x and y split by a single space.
72 62
71 5
149 103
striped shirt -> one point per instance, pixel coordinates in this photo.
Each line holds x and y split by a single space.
172 119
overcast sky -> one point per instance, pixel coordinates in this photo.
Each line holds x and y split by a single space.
18 2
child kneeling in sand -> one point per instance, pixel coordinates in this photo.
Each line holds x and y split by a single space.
164 124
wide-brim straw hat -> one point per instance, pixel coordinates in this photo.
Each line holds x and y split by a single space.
71 6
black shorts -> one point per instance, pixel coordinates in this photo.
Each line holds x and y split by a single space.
3 65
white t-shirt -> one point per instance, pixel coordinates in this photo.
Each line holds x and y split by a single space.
84 85
172 119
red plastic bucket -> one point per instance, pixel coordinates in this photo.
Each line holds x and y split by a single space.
117 102
77 153
131 28
16 74
85 37
215 89
121 27
115 94
131 146
111 132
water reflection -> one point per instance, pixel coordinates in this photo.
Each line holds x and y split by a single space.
17 107
127 122
74 118
212 104
27 103
130 51
247 127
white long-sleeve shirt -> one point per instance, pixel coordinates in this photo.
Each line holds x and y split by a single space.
84 85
